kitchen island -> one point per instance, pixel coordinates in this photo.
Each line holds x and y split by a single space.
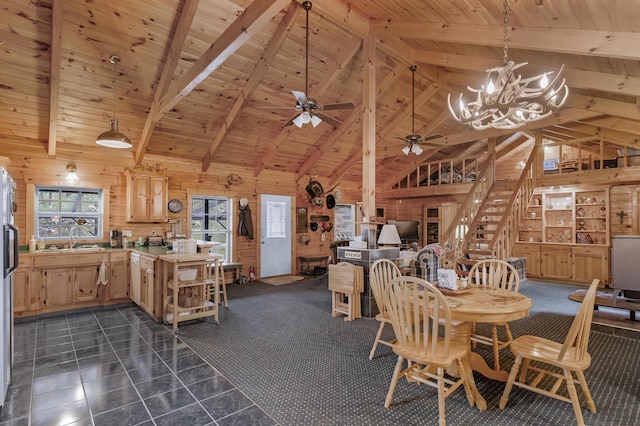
190 291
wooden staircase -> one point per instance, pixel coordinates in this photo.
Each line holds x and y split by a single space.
491 216
487 223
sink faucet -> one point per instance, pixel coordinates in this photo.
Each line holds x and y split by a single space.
73 240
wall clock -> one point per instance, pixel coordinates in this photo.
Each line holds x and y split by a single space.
175 206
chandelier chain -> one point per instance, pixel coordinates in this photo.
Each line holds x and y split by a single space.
505 58
114 60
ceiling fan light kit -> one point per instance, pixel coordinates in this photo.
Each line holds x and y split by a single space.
507 100
112 138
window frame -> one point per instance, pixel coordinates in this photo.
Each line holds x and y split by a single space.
31 211
201 235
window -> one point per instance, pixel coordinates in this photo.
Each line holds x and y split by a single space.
211 221
59 209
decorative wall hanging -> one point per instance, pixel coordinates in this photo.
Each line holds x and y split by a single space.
233 179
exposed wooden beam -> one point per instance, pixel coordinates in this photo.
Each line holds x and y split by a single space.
575 42
258 73
185 19
254 17
604 106
54 81
343 15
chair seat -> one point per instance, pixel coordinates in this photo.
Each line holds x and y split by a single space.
544 350
382 316
456 350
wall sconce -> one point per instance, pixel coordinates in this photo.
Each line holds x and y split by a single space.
72 176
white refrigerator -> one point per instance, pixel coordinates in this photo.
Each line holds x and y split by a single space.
9 261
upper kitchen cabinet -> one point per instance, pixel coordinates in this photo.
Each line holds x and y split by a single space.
146 198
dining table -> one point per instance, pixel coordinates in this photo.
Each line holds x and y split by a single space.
484 304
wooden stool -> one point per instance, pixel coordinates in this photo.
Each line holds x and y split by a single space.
222 285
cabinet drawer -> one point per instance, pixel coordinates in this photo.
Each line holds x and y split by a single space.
24 262
147 262
119 257
68 260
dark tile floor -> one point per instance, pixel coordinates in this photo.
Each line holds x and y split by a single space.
115 366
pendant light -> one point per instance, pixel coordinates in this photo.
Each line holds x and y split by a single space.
112 138
508 100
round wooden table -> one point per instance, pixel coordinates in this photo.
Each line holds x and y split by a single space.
487 305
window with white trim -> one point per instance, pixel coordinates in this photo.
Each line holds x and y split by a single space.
59 209
211 221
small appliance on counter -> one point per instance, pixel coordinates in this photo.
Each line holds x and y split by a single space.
154 240
116 238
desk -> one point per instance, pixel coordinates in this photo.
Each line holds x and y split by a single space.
487 305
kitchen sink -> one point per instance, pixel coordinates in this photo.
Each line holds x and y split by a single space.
83 249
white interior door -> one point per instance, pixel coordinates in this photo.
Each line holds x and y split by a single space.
275 235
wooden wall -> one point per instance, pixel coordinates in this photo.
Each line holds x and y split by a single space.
109 172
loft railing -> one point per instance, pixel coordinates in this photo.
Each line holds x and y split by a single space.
443 172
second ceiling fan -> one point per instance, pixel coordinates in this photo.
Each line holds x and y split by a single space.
309 111
413 140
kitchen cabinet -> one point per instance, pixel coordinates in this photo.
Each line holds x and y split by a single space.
25 293
118 287
57 286
134 280
146 198
148 284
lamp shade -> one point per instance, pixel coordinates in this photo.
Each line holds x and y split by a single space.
112 138
389 235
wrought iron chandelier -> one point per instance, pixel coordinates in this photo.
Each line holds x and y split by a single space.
508 100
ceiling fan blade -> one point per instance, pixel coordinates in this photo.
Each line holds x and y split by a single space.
270 107
330 120
290 122
342 105
301 98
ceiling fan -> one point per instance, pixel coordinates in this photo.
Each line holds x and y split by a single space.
309 111
413 140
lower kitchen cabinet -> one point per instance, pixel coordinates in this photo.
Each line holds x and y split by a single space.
118 287
590 262
531 252
555 262
25 291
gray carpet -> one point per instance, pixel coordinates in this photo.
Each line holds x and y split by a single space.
281 347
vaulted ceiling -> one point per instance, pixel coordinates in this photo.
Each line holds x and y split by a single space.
211 81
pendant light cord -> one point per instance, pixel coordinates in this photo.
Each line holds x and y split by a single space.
114 60
307 7
413 98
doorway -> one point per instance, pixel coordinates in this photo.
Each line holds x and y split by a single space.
275 235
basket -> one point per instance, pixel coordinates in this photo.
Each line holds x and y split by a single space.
187 300
187 274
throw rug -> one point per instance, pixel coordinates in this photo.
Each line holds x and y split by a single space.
282 279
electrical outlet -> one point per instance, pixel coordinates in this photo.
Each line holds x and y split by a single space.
127 234
153 233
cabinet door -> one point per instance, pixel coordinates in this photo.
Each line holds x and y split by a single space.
58 286
590 263
531 252
158 199
119 281
84 285
146 289
21 292
556 262
138 198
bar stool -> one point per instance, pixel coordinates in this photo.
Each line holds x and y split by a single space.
222 285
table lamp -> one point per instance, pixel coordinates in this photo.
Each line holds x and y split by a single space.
389 236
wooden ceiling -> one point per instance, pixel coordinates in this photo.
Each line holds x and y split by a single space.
195 76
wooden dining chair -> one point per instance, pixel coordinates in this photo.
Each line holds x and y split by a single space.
500 274
421 320
381 273
571 357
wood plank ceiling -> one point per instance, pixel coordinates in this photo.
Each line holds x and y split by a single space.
195 76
